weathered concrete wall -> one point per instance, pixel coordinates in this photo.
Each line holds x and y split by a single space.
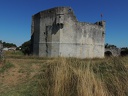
57 32
82 40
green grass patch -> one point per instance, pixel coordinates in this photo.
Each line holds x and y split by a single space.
28 88
5 67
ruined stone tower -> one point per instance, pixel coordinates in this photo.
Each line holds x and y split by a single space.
57 32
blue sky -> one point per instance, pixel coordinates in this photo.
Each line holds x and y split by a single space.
15 17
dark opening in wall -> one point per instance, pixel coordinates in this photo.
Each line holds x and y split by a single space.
69 10
103 33
124 53
59 16
108 53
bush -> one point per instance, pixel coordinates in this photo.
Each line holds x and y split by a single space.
26 47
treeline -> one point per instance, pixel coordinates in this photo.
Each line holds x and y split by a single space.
110 46
25 47
5 44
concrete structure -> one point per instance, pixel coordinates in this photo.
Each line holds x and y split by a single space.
57 32
113 51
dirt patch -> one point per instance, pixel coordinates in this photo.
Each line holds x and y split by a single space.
22 71
10 77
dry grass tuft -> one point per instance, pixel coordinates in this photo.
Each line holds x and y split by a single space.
75 77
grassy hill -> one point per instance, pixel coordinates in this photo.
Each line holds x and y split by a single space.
32 76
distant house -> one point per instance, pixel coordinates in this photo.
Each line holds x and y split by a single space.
5 49
9 49
12 48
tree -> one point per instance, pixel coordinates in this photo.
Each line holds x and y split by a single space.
109 46
9 45
26 47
